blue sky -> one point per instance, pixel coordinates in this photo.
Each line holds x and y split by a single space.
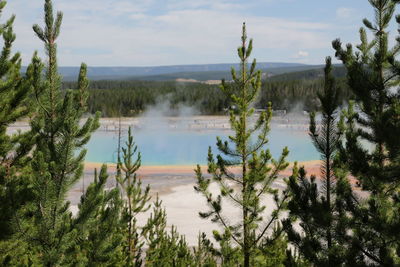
174 32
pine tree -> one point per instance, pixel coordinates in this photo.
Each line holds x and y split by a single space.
318 205
101 238
165 248
51 230
204 253
228 254
247 189
15 104
373 121
273 252
136 200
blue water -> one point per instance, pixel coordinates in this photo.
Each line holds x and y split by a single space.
190 147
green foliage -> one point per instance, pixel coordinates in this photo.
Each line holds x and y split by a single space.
130 98
46 223
373 77
257 170
320 207
162 247
272 252
165 248
228 253
269 253
136 201
101 236
15 104
15 252
338 72
204 253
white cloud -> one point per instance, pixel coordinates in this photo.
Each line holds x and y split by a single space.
128 33
301 54
344 12
138 16
209 4
110 7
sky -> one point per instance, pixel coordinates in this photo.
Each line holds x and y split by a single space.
178 32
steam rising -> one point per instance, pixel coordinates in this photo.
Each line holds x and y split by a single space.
165 116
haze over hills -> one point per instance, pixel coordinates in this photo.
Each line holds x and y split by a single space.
338 71
197 72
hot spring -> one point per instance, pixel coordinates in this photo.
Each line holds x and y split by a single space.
159 146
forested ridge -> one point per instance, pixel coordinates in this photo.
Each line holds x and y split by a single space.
130 98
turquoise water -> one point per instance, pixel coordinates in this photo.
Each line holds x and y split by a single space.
181 147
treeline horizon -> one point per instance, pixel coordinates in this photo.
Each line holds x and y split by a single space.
115 98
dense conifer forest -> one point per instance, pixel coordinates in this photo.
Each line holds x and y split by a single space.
347 216
130 98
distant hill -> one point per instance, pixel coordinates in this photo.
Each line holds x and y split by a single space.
274 74
274 70
121 73
299 72
338 71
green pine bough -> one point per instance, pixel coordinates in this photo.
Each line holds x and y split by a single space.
257 171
